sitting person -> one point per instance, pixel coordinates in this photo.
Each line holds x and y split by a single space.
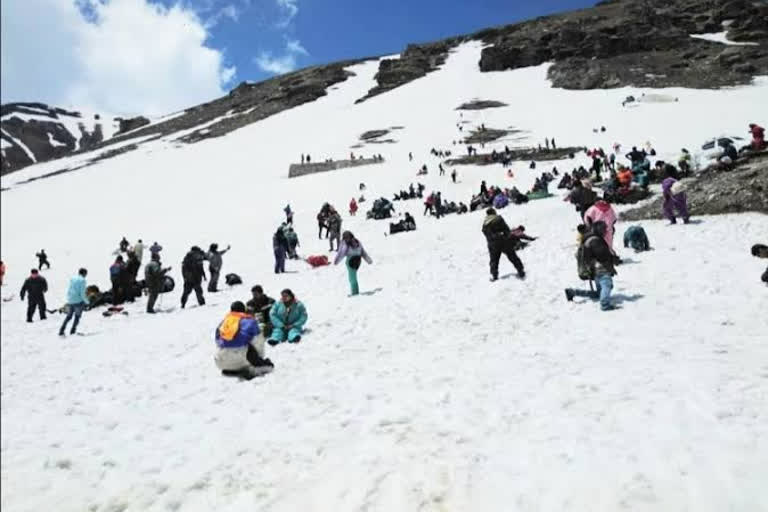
624 177
260 304
518 235
462 208
288 318
240 346
406 224
636 238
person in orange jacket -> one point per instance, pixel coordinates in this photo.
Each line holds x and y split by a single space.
624 176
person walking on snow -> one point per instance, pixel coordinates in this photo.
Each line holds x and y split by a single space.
500 240
598 260
215 262
193 274
353 252
138 250
288 317
154 277
77 300
42 259
602 211
240 345
280 248
334 228
288 214
117 277
674 199
35 287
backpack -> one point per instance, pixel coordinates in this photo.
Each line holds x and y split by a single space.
355 261
583 263
232 279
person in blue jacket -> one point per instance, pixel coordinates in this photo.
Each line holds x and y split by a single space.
240 345
288 317
77 300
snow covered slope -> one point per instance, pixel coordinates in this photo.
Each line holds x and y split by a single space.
434 389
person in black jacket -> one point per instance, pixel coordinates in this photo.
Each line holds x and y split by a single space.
761 251
35 287
499 238
193 273
42 259
582 196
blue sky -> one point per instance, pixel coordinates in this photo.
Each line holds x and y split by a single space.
330 30
153 57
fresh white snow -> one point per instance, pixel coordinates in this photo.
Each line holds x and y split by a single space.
721 37
53 141
435 389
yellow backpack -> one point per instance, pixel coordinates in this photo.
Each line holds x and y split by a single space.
230 325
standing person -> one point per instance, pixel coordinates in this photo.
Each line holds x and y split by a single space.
442 171
554 146
117 276
499 238
353 207
35 287
132 267
293 242
288 317
334 228
155 248
602 211
597 260
2 272
354 252
193 274
42 259
483 189
546 142
761 251
240 347
288 214
215 263
138 250
674 199
438 205
280 248
410 157
302 159
77 300
429 203
453 175
154 277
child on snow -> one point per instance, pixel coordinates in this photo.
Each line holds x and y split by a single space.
354 252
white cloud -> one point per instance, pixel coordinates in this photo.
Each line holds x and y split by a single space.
290 9
228 11
283 63
115 56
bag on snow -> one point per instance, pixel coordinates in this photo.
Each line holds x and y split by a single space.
232 279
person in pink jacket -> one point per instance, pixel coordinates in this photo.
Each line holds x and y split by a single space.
604 212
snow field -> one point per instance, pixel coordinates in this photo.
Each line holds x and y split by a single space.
433 390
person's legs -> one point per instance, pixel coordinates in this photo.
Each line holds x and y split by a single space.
668 211
31 305
78 309
199 293
513 258
353 284
41 307
152 298
185 293
213 282
494 254
70 313
277 336
294 335
681 205
605 286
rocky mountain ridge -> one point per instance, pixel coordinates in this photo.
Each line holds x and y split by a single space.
642 43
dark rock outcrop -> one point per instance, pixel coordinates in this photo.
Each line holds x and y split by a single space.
296 170
744 189
133 123
480 105
373 134
525 154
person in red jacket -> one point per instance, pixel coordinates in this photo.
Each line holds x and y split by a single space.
353 207
2 272
758 136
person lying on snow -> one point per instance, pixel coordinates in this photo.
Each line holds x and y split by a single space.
636 238
288 318
761 251
519 238
595 262
240 347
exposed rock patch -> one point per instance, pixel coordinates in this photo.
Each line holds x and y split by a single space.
373 134
296 170
745 189
480 105
526 154
488 135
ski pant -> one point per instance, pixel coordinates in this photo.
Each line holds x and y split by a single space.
495 251
188 287
213 282
352 276
153 293
34 303
279 261
320 227
427 209
40 264
117 292
604 283
676 202
335 236
76 311
281 334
